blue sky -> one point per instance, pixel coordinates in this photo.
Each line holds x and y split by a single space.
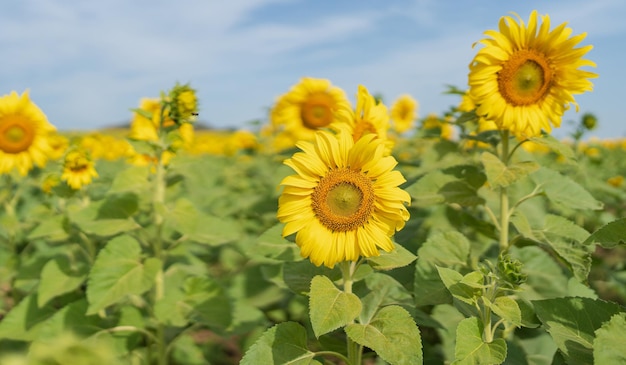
86 63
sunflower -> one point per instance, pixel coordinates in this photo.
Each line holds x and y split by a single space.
343 201
309 105
404 113
369 117
78 169
145 129
24 134
524 77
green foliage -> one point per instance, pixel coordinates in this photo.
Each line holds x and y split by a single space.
392 334
573 322
285 343
331 308
471 348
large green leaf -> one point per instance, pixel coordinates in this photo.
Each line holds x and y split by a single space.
118 272
330 308
572 323
285 343
25 320
562 190
471 349
449 249
501 175
609 235
132 179
60 276
399 257
609 347
392 333
201 227
53 229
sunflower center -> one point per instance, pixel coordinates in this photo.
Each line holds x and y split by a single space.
16 134
317 112
343 200
525 78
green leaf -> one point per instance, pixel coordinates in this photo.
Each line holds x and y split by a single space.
577 256
460 192
52 229
25 320
285 343
106 227
609 347
464 288
399 257
470 347
555 145
58 277
119 206
565 191
563 227
609 235
118 272
450 250
507 309
72 317
500 175
133 179
330 308
207 302
383 290
425 191
392 333
298 275
200 227
572 323
272 247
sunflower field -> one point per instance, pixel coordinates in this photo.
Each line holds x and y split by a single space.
330 233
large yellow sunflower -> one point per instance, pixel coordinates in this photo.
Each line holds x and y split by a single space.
344 201
310 105
525 76
24 134
404 113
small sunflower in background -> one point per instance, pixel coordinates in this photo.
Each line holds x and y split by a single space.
404 113
344 201
24 134
525 76
369 117
78 169
310 105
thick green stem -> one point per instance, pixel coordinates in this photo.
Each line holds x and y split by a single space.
504 197
355 351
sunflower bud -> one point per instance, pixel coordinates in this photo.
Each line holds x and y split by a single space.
184 104
510 271
589 121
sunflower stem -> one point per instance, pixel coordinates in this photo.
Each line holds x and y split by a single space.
504 197
355 350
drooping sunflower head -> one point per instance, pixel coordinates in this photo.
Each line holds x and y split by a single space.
404 113
24 134
184 104
525 76
144 125
344 201
310 105
78 169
